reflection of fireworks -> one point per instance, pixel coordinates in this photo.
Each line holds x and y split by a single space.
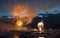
23 12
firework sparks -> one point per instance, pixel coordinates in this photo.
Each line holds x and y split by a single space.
23 12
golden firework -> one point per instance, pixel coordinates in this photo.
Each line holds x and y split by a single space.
24 13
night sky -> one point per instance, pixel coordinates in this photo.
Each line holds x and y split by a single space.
40 5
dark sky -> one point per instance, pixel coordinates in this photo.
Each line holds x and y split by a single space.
39 5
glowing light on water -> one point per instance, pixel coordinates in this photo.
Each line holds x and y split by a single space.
15 36
41 37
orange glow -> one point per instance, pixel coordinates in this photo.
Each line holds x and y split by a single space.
24 13
15 36
18 9
19 23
